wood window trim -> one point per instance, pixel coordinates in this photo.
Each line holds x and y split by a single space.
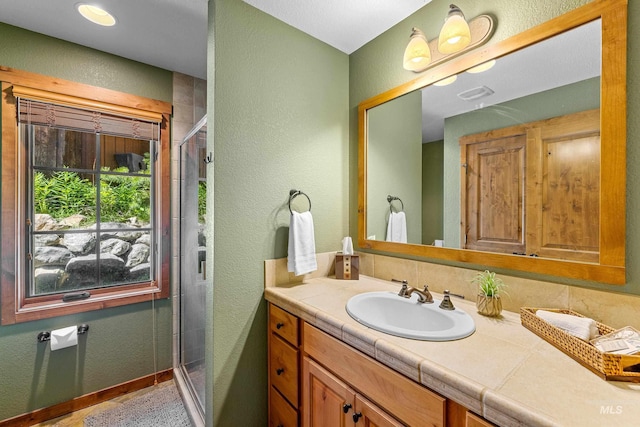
13 306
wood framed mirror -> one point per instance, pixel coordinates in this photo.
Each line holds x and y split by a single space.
513 152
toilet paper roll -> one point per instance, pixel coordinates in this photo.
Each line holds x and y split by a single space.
63 338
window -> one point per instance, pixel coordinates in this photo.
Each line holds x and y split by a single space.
85 200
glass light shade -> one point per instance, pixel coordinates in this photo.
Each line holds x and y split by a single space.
96 15
417 55
482 67
455 34
446 81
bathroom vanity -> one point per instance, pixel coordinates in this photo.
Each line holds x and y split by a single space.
327 369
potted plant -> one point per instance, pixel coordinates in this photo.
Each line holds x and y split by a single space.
490 287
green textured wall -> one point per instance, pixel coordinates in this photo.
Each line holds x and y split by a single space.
281 123
432 192
118 346
377 67
29 51
395 138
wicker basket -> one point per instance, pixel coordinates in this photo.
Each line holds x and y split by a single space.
609 366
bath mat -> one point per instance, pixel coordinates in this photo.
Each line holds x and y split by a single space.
160 407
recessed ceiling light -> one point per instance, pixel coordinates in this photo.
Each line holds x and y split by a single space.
482 67
96 15
446 81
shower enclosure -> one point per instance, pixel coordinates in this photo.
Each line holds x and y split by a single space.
192 266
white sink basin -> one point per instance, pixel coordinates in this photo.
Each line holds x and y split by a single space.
405 317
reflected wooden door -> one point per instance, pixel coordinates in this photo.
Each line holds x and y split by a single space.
534 189
495 176
563 191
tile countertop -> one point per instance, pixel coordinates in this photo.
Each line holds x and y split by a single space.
503 371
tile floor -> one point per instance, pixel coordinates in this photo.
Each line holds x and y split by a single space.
76 419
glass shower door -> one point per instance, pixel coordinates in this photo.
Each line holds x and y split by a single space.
193 272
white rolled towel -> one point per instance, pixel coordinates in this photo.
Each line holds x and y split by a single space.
581 327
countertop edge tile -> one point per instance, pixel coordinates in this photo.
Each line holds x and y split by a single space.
402 361
293 306
501 410
453 386
329 324
360 340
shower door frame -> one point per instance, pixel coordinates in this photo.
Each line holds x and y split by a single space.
194 401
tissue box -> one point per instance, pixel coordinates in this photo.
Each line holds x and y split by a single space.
347 267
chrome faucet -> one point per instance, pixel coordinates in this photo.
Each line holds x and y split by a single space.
424 296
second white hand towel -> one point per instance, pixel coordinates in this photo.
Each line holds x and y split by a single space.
581 327
397 228
302 244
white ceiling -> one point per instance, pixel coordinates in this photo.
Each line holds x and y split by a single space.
567 58
346 25
172 34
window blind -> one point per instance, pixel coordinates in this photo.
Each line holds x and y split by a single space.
86 118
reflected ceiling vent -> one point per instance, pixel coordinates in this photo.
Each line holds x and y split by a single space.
475 93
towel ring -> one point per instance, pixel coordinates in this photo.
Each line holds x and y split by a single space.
391 199
295 193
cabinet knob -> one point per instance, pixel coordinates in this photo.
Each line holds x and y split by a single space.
279 371
346 407
357 416
279 325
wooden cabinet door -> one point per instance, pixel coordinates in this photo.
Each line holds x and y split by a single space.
410 402
369 415
326 400
329 402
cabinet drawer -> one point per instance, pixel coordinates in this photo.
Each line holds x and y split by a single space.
474 420
283 324
409 401
284 368
282 413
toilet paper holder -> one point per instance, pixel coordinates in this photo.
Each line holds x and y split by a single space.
46 335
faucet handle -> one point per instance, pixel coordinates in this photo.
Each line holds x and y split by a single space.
404 289
446 303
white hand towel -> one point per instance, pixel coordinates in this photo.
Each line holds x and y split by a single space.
302 244
581 327
397 228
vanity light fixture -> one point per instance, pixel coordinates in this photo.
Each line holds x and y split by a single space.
482 67
446 81
417 55
455 34
421 54
96 14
